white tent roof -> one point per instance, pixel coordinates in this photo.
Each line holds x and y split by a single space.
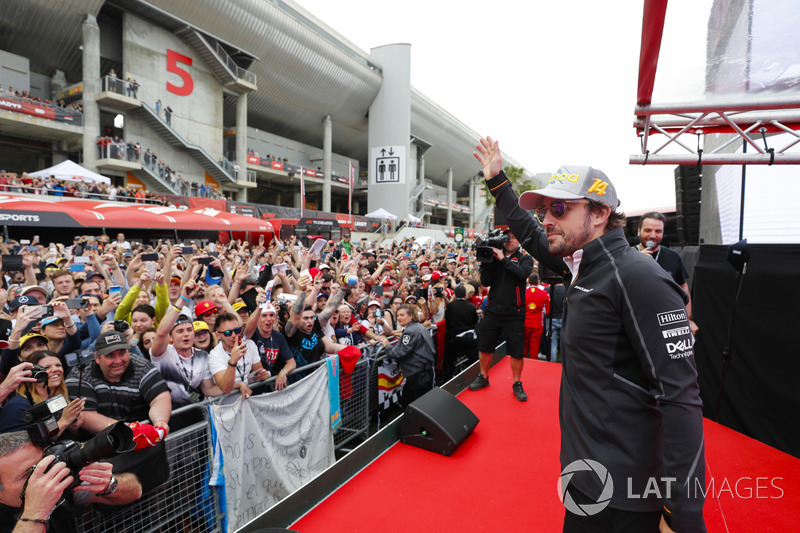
381 213
70 171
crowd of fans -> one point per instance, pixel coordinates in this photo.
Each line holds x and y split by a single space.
116 148
79 188
263 310
128 331
28 97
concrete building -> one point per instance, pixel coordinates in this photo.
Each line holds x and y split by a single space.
243 96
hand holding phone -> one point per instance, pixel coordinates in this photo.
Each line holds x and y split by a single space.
79 303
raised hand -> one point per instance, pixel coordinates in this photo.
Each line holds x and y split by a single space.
488 155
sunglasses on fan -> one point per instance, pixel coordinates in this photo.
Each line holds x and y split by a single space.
229 332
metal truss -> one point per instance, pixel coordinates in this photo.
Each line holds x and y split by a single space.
674 126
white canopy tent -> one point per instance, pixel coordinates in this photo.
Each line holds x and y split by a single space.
70 171
381 213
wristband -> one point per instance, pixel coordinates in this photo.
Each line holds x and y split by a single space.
37 520
232 364
187 300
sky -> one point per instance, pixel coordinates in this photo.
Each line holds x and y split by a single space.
553 82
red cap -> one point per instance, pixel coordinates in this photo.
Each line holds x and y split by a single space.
203 308
348 357
436 275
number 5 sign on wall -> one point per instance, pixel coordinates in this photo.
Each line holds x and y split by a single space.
173 58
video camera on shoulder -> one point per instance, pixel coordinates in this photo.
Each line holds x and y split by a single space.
484 244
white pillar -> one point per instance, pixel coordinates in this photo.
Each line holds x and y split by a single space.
449 197
91 83
472 206
241 138
327 150
391 180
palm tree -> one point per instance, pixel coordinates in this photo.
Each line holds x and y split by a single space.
518 183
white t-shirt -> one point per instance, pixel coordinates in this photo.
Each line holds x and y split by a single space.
184 376
219 357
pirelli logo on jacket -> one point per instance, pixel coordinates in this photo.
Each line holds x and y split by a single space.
675 332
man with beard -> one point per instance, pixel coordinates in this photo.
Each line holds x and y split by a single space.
629 396
651 232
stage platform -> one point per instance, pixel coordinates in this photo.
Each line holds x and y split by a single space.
504 477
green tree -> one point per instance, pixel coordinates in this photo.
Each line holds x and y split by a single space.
518 183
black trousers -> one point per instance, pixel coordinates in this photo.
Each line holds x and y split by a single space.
609 520
416 385
455 347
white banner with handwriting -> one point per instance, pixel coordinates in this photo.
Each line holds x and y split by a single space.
273 444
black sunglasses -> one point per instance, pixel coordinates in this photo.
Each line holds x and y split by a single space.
558 209
229 332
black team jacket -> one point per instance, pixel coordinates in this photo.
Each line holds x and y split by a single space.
629 397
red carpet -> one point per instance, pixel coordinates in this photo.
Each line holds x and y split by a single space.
504 477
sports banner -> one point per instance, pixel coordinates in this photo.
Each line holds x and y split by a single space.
390 383
272 445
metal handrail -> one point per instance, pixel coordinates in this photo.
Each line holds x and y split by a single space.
231 65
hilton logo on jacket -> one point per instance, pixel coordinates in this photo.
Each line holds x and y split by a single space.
671 317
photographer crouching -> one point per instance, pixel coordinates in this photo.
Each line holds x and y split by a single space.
505 269
42 483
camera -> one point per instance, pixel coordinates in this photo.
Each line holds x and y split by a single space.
43 432
484 244
42 425
438 291
121 325
79 358
39 373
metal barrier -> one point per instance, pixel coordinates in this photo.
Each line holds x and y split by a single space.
354 392
185 502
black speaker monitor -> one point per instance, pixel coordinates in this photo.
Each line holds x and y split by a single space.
437 422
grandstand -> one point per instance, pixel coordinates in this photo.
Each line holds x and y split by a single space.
257 102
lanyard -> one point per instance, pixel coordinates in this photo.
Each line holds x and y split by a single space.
189 375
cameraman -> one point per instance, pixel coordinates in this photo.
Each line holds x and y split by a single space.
39 511
506 274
